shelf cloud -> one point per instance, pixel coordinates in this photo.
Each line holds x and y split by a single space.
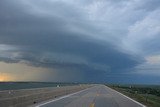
97 41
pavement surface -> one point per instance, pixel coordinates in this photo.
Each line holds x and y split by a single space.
97 96
27 97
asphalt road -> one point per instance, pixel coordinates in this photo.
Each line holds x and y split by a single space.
97 96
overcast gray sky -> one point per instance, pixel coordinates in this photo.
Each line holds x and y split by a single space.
88 41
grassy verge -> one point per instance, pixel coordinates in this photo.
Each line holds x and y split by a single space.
147 95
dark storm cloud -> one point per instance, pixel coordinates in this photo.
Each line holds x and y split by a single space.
42 34
68 37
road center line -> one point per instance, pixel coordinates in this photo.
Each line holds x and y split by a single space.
92 105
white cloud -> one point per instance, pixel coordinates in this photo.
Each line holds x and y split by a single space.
8 51
155 59
4 47
150 67
126 22
142 31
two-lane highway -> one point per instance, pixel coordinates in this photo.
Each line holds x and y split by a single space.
97 96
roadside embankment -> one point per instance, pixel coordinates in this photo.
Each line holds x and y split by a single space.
148 95
26 97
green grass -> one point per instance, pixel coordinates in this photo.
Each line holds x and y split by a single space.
147 95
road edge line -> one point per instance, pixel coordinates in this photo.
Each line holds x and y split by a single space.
65 96
128 97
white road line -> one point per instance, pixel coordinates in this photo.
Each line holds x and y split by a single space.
61 98
128 97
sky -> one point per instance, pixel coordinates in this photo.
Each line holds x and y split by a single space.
111 41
